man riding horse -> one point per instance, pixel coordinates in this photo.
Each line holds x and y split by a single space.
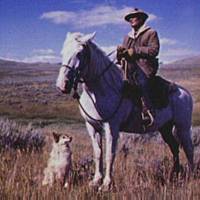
139 50
107 112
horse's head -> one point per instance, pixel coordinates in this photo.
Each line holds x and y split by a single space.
73 48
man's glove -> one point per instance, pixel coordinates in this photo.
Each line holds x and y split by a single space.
130 52
120 53
120 48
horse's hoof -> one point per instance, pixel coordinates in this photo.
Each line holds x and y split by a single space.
94 184
175 173
105 188
66 185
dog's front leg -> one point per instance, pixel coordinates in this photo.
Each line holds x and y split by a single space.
65 181
48 177
66 177
97 147
111 145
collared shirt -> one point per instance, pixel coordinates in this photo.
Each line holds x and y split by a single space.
134 34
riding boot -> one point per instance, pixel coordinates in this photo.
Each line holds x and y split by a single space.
148 114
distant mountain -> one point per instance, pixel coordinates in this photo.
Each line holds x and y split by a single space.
8 62
191 62
15 64
20 72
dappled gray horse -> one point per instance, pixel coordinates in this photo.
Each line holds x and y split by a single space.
104 108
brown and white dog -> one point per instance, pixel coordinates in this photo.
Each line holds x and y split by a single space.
59 163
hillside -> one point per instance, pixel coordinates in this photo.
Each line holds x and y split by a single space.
13 64
12 71
191 62
31 108
28 90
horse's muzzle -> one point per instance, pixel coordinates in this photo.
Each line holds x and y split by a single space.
67 89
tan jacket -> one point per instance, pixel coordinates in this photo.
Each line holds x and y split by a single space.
146 46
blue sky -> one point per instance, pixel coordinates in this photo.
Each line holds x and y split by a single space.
34 30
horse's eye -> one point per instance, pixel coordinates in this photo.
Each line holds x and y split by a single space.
78 55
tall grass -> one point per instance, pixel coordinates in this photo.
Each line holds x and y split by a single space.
142 166
15 136
142 173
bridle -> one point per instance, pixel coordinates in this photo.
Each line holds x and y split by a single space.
78 79
77 76
78 71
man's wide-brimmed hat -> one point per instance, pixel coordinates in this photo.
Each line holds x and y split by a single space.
136 13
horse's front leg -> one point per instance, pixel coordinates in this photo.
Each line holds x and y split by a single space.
97 147
111 135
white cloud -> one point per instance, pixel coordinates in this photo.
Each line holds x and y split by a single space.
152 17
167 41
108 49
42 58
97 16
58 17
43 55
37 55
10 58
43 51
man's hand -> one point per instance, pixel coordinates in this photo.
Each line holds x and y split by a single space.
120 48
120 53
131 52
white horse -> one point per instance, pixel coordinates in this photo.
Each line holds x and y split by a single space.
105 109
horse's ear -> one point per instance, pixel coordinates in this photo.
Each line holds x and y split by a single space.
68 35
88 37
56 137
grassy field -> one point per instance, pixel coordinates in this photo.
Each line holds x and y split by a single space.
30 100
142 173
35 96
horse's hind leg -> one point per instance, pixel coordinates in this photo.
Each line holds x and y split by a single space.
97 147
184 135
182 109
166 132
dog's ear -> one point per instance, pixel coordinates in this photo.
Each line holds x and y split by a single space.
70 139
56 137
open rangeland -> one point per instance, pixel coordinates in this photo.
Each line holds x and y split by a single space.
31 105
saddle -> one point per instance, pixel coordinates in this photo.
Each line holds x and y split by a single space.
131 91
159 92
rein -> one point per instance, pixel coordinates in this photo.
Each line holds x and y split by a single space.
77 96
99 120
78 71
106 68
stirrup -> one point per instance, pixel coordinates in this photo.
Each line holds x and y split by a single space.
150 116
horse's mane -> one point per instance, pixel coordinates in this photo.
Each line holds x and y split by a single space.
101 61
70 44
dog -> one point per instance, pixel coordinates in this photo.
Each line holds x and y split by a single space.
60 163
